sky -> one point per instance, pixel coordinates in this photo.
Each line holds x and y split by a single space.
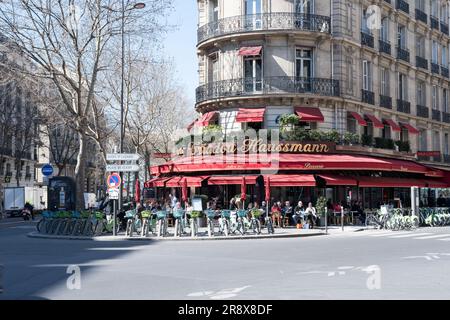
180 45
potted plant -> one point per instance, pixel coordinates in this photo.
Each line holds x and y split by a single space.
321 207
288 122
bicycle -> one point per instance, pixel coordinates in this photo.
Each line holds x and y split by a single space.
178 215
210 214
269 225
147 219
224 222
133 222
161 227
44 225
71 223
255 224
241 214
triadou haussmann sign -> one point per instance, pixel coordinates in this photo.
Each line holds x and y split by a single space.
256 146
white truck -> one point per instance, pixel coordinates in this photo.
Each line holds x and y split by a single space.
15 198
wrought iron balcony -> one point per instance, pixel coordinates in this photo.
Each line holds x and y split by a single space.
421 63
421 16
264 22
445 117
444 71
444 28
384 46
266 86
422 111
403 106
434 68
436 115
402 5
385 102
367 39
403 54
367 96
434 23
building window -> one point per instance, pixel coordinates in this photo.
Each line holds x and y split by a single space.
349 18
252 7
404 135
434 8
366 76
213 67
423 139
349 67
368 130
401 36
444 13
384 81
420 46
364 26
436 141
386 132
253 10
421 98
253 73
384 31
351 124
214 10
420 4
402 87
303 63
8 169
446 143
434 97
434 52
444 100
304 6
444 59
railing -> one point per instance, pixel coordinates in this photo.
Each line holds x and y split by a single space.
264 22
5 151
444 28
436 115
384 46
434 68
421 16
445 117
434 23
368 96
367 39
444 71
403 106
421 63
402 5
385 102
422 111
267 85
403 54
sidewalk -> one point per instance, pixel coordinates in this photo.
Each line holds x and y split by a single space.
290 232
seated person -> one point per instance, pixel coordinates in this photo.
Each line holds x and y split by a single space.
276 213
298 213
286 211
311 215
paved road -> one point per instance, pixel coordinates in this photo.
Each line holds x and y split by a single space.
357 265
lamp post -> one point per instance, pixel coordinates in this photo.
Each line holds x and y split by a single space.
138 5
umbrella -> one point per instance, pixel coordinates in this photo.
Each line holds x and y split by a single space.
243 189
267 189
137 191
184 191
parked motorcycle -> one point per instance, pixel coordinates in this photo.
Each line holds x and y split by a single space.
26 214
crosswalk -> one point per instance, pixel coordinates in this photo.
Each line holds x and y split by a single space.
413 235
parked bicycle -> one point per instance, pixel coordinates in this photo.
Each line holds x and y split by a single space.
147 219
210 215
224 222
255 224
241 215
161 225
178 215
134 223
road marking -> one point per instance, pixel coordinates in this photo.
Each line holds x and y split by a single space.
409 235
389 233
446 239
433 236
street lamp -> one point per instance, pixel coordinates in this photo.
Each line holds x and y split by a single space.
137 6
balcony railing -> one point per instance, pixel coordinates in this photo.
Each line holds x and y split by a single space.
5 151
403 54
367 39
434 23
422 111
434 68
444 28
384 46
403 106
385 102
444 71
367 96
421 63
421 16
264 22
436 115
267 85
402 5
445 117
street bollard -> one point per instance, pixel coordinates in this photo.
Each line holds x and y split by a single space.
326 221
342 219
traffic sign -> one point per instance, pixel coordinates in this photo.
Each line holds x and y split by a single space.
113 181
122 167
122 156
47 170
113 194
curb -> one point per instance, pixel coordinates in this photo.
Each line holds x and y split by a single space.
37 235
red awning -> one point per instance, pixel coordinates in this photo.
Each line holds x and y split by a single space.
376 123
191 125
225 180
358 118
206 119
392 124
155 182
193 181
336 180
250 115
292 180
250 51
309 114
379 182
436 184
173 182
409 127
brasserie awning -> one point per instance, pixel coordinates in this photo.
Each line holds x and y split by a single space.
376 122
436 184
207 118
391 123
309 114
232 179
250 115
337 180
156 182
384 182
250 51
409 127
292 180
358 118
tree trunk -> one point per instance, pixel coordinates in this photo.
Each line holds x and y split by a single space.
80 171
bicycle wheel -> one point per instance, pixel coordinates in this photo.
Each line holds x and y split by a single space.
225 228
270 229
258 227
210 228
40 226
241 227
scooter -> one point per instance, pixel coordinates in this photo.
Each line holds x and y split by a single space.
26 214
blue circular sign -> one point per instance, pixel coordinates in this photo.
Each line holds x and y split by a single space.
47 170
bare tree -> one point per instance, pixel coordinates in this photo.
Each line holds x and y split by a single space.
68 40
